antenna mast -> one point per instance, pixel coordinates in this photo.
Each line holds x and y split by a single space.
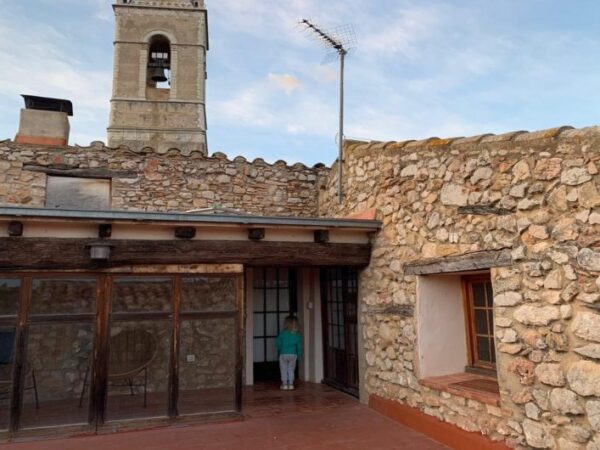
339 40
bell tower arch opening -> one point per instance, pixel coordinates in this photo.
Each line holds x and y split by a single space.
159 75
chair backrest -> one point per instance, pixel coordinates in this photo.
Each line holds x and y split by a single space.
130 351
7 345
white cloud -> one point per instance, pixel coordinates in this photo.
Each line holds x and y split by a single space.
288 83
261 106
402 30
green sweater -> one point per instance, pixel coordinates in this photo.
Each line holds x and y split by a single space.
289 343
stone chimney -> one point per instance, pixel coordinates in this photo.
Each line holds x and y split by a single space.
44 121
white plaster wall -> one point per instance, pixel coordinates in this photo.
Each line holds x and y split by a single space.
309 313
441 334
316 342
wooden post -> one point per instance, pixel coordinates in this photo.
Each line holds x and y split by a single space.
101 351
240 342
20 359
175 344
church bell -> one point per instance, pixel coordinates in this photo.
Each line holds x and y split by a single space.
158 75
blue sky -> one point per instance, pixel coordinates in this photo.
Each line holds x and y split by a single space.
422 68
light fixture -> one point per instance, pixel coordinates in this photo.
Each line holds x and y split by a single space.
100 252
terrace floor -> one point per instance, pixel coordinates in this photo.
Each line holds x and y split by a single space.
313 416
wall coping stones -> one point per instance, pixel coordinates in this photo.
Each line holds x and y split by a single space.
550 133
521 136
173 152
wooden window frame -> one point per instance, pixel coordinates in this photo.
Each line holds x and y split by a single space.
474 362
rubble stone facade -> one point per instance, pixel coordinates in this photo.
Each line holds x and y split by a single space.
535 194
532 195
148 181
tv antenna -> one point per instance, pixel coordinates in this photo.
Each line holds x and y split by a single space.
341 40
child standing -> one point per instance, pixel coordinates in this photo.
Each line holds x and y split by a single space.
289 346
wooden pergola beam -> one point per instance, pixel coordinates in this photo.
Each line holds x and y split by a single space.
27 254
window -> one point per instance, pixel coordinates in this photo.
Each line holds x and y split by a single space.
455 328
77 193
479 310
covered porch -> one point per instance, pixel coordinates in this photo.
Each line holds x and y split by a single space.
314 416
127 320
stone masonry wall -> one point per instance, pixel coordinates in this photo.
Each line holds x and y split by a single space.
537 195
146 180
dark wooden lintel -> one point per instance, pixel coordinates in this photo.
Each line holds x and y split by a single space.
68 171
462 263
395 310
73 254
484 210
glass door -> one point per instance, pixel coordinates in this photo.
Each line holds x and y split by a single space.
339 294
10 295
274 298
58 352
139 347
208 339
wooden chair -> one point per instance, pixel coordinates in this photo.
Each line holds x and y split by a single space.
7 343
131 353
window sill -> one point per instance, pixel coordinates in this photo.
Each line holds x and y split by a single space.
475 387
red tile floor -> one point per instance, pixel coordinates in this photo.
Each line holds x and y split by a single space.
313 416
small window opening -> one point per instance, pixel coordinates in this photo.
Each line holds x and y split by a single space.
159 63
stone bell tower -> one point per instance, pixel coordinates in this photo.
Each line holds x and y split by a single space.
159 75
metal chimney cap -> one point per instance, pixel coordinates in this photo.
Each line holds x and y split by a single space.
48 104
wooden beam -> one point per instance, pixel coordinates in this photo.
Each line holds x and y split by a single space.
463 263
321 236
484 210
80 173
256 234
15 228
69 254
394 310
104 230
185 232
